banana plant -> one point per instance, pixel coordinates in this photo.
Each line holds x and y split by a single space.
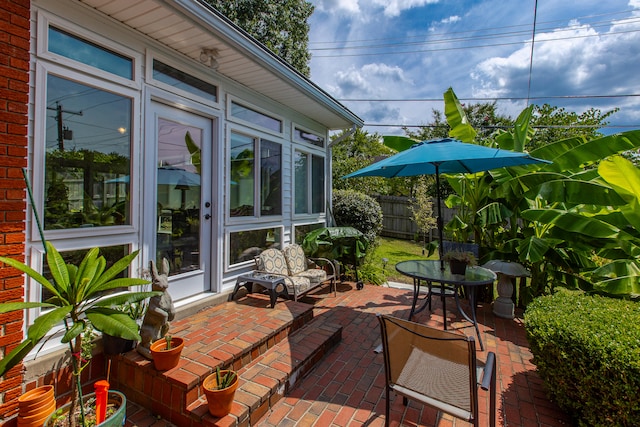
79 297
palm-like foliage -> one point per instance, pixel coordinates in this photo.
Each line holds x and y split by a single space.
79 295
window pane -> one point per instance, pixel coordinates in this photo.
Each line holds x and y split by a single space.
111 254
88 156
270 178
317 184
80 50
301 185
301 231
245 245
255 117
309 138
176 78
242 185
178 197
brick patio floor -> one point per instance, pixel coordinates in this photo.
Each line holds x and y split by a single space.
347 387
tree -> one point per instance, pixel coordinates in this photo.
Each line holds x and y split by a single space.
279 25
555 123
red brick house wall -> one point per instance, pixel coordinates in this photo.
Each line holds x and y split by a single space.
14 97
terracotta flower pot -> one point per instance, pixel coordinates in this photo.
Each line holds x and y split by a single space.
163 359
219 401
35 406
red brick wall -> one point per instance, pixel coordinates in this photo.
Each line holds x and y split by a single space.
14 97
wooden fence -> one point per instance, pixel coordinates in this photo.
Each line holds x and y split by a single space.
397 220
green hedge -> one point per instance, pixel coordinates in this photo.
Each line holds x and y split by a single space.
587 351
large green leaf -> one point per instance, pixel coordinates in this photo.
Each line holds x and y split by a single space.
47 321
127 297
398 143
579 192
457 119
58 269
118 267
15 356
113 322
590 152
575 223
30 272
533 249
13 306
624 177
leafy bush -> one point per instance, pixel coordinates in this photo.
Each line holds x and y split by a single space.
587 351
358 210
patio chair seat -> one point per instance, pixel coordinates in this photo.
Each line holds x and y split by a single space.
301 274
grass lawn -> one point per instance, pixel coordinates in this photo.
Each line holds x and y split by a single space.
396 250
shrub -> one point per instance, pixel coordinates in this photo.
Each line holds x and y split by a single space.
587 351
358 210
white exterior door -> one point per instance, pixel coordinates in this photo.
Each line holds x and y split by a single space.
179 181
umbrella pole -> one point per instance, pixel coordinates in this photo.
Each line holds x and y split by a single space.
439 220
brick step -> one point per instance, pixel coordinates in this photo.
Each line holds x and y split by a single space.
239 334
264 381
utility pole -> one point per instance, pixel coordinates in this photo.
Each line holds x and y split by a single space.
61 130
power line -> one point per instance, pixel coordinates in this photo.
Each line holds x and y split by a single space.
510 98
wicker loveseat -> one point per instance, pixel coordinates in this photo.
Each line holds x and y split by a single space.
301 274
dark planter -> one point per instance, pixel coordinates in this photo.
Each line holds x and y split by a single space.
115 399
115 345
458 267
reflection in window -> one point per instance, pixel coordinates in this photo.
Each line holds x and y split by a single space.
242 175
300 135
301 231
88 156
252 116
178 196
80 50
178 79
270 178
309 183
246 181
110 253
245 245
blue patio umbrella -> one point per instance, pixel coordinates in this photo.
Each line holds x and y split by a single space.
445 155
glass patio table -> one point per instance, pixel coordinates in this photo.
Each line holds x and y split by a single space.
434 271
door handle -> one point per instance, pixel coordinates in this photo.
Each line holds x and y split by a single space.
207 216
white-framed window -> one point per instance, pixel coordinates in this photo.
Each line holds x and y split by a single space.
85 162
167 74
67 43
305 136
255 178
309 183
300 231
245 245
243 113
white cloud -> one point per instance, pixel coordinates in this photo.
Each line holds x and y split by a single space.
337 6
396 7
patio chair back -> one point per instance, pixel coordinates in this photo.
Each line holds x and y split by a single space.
435 367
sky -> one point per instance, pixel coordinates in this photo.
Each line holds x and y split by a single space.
390 61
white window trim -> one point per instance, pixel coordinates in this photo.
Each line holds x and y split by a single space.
42 41
309 145
227 245
151 55
42 71
229 220
308 216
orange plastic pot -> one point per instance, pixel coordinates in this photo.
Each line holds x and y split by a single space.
35 406
219 401
163 359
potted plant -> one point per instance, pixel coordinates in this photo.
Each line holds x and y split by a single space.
166 351
113 345
459 260
80 301
220 388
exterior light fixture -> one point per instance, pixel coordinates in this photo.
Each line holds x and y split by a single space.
208 57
